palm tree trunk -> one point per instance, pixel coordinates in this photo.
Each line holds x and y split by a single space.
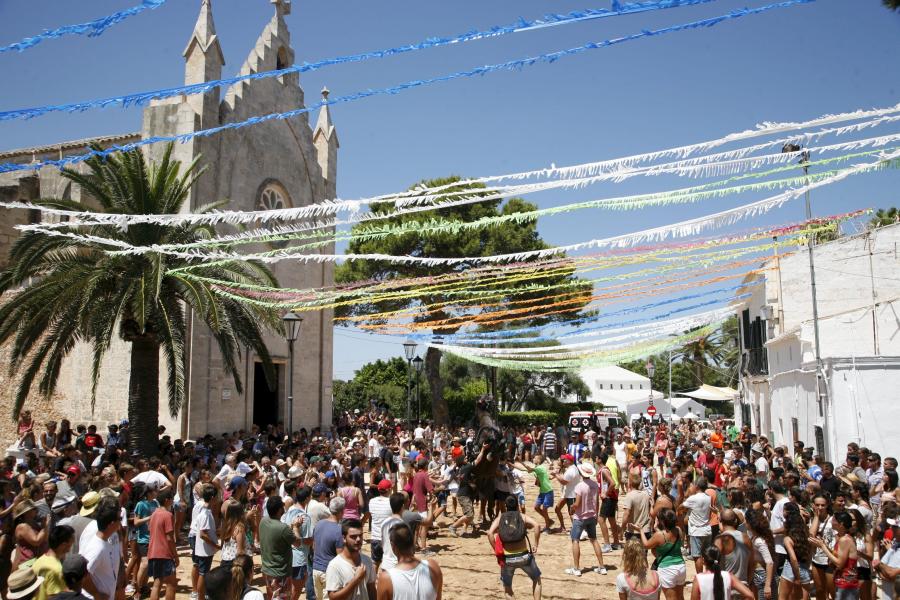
440 412
143 397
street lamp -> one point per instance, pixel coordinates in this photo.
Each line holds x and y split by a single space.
291 332
418 364
409 349
651 371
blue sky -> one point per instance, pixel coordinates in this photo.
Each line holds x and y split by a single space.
792 64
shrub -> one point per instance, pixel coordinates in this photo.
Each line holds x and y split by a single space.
529 417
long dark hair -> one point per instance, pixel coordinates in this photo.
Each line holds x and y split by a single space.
711 558
795 528
759 525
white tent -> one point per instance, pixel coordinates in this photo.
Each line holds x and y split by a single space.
712 393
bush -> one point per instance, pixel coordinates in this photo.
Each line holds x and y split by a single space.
529 417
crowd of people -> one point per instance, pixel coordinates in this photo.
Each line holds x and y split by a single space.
351 513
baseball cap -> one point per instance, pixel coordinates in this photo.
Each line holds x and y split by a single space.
384 484
893 522
236 482
329 474
74 567
320 488
73 469
567 457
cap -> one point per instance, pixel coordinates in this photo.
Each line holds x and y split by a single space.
22 583
385 484
74 566
89 503
567 457
320 488
893 522
61 503
236 482
73 469
329 474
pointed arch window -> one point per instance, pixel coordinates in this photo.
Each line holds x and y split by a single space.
273 196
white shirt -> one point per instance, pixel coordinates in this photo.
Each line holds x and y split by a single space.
341 571
103 564
203 521
619 447
253 595
374 448
380 509
573 477
891 558
698 518
90 531
419 433
152 479
762 466
776 521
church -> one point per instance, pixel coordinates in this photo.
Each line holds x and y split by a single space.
276 164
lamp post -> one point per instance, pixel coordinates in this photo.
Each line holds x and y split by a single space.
291 332
671 406
409 349
418 364
651 371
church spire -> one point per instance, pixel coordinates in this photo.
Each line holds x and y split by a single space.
326 142
203 54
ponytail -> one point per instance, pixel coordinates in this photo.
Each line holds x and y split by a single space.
241 570
711 558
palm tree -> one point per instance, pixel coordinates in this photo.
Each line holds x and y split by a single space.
885 216
60 291
892 4
701 352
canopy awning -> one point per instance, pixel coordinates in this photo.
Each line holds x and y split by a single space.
711 393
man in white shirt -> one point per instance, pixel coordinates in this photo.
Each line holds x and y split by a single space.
380 511
151 476
374 447
203 527
102 555
888 567
318 506
351 574
776 524
570 478
699 505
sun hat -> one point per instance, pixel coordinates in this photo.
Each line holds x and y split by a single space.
42 478
279 463
89 503
756 448
23 507
385 484
22 583
295 472
108 493
61 503
587 470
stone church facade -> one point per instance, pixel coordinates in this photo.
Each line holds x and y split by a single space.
277 164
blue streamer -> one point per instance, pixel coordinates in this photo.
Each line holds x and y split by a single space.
550 20
498 336
91 28
510 65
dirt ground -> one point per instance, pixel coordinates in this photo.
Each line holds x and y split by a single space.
471 571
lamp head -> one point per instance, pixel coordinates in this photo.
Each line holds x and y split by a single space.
418 364
291 326
409 348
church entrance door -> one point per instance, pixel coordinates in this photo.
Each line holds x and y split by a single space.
265 401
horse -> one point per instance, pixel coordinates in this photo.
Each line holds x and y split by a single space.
484 474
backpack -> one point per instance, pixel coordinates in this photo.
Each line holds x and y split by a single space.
512 527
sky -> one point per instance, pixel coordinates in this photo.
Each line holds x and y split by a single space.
786 65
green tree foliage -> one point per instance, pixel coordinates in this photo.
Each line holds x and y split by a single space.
885 216
497 239
382 382
58 291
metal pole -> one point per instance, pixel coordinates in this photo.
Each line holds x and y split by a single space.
812 282
408 389
418 398
290 427
671 406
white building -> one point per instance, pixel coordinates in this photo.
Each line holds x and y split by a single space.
858 299
615 387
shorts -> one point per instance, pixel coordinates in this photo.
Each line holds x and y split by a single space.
544 499
588 525
672 576
527 563
298 573
203 563
698 544
423 514
465 504
846 593
160 568
377 551
804 576
864 573
279 587
500 496
442 497
142 550
631 535
608 508
829 568
319 583
521 497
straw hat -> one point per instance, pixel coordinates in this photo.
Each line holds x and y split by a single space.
22 583
89 503
22 508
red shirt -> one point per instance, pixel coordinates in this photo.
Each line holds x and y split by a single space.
421 486
161 525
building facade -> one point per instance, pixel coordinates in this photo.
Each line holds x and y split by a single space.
277 164
853 397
